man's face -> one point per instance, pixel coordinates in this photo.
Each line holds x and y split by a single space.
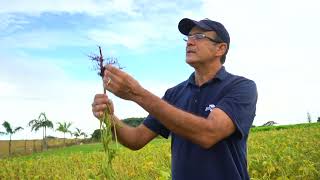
200 50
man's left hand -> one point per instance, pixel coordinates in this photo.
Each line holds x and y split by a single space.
121 84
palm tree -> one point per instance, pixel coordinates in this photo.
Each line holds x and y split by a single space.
10 131
44 123
84 135
77 133
64 127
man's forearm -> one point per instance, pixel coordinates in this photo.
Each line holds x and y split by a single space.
125 134
185 124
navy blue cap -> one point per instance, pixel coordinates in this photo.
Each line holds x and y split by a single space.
185 26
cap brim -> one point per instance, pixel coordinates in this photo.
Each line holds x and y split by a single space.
185 25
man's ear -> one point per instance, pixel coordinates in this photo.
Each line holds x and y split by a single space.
222 48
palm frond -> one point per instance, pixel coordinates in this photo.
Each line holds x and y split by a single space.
7 126
36 127
60 128
83 134
76 134
68 125
78 130
17 129
48 124
42 114
32 122
64 127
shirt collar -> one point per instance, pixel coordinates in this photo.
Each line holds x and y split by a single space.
221 75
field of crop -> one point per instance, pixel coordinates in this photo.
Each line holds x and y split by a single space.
275 153
20 147
289 152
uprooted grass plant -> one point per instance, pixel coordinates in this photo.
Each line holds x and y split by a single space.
105 120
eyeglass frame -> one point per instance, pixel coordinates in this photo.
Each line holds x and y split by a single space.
200 36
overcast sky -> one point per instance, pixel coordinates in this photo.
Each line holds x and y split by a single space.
44 45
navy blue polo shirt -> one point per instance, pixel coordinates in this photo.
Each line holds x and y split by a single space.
237 97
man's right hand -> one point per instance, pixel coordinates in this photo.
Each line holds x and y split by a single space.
101 102
131 137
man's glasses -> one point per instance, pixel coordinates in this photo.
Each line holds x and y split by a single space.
199 37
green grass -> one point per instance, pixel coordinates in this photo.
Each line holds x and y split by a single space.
269 128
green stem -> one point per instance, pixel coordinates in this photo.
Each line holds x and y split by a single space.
106 138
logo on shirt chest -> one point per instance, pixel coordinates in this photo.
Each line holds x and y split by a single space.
210 107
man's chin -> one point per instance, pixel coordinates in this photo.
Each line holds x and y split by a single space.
191 62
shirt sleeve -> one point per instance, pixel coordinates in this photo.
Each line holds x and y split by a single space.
155 125
240 105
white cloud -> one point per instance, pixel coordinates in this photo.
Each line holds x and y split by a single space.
140 36
11 22
126 23
94 8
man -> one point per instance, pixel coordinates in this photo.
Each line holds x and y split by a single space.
208 116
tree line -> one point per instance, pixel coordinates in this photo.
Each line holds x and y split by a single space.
42 122
133 122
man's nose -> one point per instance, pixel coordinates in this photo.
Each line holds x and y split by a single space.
190 41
